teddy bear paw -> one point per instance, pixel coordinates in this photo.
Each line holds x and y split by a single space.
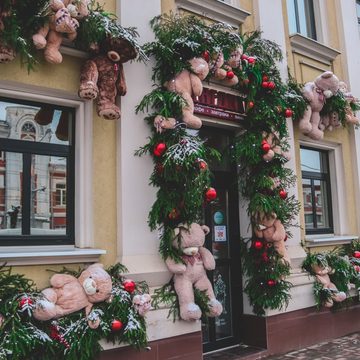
7 54
88 91
190 312
110 112
215 308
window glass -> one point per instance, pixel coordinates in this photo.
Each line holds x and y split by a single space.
36 173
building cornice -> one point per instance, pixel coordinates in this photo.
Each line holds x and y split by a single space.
216 10
313 49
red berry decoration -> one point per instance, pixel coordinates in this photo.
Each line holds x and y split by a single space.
357 268
173 214
129 286
288 113
264 84
271 85
357 254
116 325
271 282
250 104
251 60
265 146
25 301
206 56
258 244
230 75
210 194
159 149
203 165
283 194
244 57
265 78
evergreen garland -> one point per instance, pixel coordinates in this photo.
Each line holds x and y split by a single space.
23 337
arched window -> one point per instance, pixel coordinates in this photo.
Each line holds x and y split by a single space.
28 131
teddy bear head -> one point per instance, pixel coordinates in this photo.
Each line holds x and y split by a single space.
142 303
328 83
62 22
118 50
78 9
235 58
188 238
200 67
265 221
96 282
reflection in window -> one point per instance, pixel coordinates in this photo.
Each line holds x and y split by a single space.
301 17
316 191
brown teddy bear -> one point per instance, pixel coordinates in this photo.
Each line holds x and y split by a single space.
316 92
69 294
322 276
269 228
103 76
62 22
271 145
142 303
192 271
7 53
223 71
187 84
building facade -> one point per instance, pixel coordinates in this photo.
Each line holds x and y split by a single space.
91 194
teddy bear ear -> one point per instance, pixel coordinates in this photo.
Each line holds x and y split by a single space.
177 231
206 229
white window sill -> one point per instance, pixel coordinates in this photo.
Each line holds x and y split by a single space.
216 10
329 240
33 255
313 49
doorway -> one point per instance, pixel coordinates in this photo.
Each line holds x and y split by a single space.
222 216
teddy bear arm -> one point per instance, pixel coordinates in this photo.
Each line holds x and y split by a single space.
121 82
207 258
52 53
174 267
39 39
196 85
304 123
192 121
324 280
315 133
59 280
279 234
57 5
72 36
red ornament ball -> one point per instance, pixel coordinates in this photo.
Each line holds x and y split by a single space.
244 57
258 244
250 104
283 194
210 194
271 85
25 301
159 149
251 60
288 113
264 84
357 268
116 325
230 75
265 146
129 286
203 165
265 78
357 254
174 214
271 282
206 56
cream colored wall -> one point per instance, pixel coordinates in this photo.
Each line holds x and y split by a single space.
66 77
305 69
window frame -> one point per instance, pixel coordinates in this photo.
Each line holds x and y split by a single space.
322 176
28 149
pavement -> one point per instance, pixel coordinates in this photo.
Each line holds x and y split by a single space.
344 348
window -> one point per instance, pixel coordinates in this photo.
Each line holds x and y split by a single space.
301 18
316 190
37 147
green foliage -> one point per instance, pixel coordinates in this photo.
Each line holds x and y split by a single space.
70 337
338 104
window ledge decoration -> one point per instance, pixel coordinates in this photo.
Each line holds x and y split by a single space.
329 106
186 51
55 255
336 274
68 319
216 10
328 239
313 49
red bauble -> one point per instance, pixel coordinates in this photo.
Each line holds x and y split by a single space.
206 56
210 194
250 104
203 165
258 244
357 268
251 60
357 254
271 85
283 194
288 113
25 301
244 57
271 282
230 75
265 78
264 84
129 286
174 214
265 146
159 149
116 325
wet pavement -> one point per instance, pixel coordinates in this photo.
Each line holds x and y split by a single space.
344 348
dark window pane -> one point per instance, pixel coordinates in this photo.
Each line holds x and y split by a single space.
321 204
301 17
313 161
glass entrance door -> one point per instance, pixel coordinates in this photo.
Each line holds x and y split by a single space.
222 216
